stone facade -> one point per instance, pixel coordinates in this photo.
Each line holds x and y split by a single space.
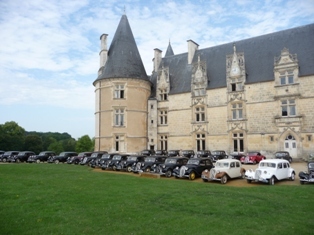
202 100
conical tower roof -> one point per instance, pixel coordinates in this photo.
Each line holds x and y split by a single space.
169 51
124 60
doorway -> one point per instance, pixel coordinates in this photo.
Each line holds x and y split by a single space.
290 145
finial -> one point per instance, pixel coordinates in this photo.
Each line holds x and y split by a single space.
234 47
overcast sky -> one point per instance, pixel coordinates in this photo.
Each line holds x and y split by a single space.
49 50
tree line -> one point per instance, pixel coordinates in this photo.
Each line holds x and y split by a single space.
14 138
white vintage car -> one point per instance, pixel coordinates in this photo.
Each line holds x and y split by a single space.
224 169
270 170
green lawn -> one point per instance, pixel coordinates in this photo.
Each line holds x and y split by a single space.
71 199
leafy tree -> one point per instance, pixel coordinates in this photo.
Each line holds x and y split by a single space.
33 143
68 144
47 140
56 147
11 136
84 144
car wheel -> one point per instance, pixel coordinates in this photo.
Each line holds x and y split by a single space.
18 160
76 162
292 177
4 160
192 175
37 161
129 168
249 181
242 175
147 169
114 168
271 181
224 179
290 160
254 162
168 173
205 180
57 161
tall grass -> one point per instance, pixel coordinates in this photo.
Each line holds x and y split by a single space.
71 199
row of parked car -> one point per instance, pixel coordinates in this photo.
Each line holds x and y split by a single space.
175 163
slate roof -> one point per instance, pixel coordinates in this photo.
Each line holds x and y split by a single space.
124 60
259 53
169 51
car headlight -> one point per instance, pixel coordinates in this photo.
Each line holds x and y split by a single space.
142 164
163 166
177 168
265 172
154 165
206 170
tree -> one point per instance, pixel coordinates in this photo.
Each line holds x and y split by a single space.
68 144
11 136
56 147
33 143
84 144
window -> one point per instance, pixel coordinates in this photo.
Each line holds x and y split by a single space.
271 138
199 90
151 106
152 121
119 92
119 117
238 142
163 117
237 111
163 142
286 77
200 142
288 108
236 86
200 114
163 94
309 138
119 143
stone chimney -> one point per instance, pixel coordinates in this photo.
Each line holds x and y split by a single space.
103 54
192 47
157 59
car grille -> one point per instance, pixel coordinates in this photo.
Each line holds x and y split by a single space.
258 174
138 166
212 173
182 171
246 160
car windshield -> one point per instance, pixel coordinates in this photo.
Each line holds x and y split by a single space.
116 157
150 159
221 164
252 153
216 152
21 154
42 154
133 158
280 154
311 165
267 164
105 156
194 162
81 154
170 161
62 154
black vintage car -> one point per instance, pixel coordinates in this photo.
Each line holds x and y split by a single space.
307 176
91 160
188 153
161 152
283 155
129 162
147 152
41 157
77 159
173 153
62 157
103 160
6 155
218 154
21 156
114 162
170 164
193 169
151 163
203 153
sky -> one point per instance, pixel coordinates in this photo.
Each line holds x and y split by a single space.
49 50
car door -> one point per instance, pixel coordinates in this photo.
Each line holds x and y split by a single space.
280 171
234 170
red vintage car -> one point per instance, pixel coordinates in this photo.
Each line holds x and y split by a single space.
252 157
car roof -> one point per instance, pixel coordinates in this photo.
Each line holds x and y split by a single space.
274 160
228 160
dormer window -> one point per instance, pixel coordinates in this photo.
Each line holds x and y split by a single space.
286 77
163 94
